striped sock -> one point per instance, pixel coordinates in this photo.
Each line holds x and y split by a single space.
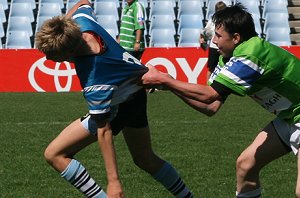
77 175
169 177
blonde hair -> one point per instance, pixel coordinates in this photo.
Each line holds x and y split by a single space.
58 35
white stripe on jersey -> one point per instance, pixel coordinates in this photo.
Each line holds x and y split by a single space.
235 78
250 64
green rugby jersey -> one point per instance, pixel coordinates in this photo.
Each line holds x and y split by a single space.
132 19
267 73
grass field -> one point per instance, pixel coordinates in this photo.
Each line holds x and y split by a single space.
203 149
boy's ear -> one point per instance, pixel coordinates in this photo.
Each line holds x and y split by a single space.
236 38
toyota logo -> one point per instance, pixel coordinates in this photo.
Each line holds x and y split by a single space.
58 71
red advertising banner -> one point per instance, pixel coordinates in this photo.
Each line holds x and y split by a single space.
27 70
185 64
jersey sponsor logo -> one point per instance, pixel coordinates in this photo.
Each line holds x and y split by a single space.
271 100
60 70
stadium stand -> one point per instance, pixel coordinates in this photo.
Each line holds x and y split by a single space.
18 40
32 2
162 22
162 8
176 8
162 38
189 37
2 33
278 36
21 9
276 20
110 8
189 21
2 14
4 4
20 23
109 22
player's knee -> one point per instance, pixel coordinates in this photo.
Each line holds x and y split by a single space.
146 163
243 165
49 155
140 162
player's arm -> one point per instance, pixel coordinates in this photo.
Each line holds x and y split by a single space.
105 140
76 6
203 98
138 36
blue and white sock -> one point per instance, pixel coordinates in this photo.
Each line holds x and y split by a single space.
169 177
78 176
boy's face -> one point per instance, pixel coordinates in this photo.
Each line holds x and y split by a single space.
225 41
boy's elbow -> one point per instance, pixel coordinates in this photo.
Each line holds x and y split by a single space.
211 112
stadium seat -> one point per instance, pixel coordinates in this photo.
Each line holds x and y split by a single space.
39 22
278 36
162 8
49 9
162 38
257 24
117 2
278 7
251 5
211 7
4 3
18 40
191 7
276 20
2 33
2 14
190 21
32 2
106 8
201 1
19 23
70 4
162 22
172 1
22 9
189 37
108 22
284 2
60 2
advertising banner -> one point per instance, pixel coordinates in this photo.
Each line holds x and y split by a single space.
28 70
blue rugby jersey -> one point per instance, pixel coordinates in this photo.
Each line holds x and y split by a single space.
110 78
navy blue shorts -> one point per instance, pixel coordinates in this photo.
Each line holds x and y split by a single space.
131 113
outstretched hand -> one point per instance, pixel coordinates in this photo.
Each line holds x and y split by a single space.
154 78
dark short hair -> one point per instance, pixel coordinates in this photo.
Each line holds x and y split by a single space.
236 19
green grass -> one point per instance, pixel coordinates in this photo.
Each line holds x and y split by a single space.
203 149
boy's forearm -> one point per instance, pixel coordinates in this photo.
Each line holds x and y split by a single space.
105 139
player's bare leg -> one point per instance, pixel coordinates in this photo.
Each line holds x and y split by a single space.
70 141
266 147
139 144
59 154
